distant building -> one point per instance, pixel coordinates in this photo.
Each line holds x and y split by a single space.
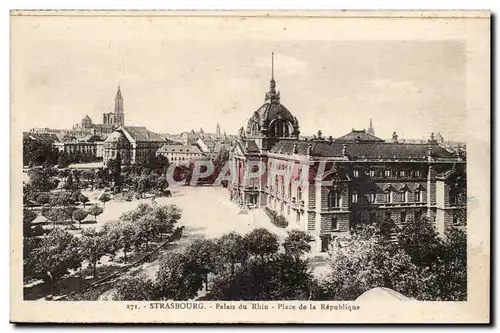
371 130
117 117
180 154
134 145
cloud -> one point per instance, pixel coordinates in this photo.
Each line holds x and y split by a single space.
283 65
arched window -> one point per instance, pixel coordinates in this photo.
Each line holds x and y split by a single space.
299 194
255 128
334 199
280 128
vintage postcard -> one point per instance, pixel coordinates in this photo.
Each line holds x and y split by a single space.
250 167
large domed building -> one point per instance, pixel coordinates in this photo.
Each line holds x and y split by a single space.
326 187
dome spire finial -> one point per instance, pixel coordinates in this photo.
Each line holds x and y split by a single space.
273 96
272 66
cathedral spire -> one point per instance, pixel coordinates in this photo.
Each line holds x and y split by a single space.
273 96
119 101
371 131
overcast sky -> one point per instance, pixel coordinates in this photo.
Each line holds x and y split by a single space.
173 85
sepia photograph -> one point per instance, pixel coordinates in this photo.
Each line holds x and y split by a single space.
250 167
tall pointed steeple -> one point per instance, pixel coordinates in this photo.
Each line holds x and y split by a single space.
119 116
119 101
371 131
273 96
217 129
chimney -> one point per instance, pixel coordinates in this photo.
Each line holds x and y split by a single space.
320 135
395 137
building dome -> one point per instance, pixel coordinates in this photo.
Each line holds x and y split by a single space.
273 119
117 140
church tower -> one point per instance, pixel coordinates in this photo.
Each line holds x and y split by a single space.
119 116
217 129
371 131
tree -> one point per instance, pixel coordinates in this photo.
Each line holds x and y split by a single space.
63 160
83 199
62 199
38 152
297 243
69 184
261 242
95 211
231 251
365 263
165 217
136 289
122 235
80 215
104 198
94 245
446 278
28 217
177 279
56 215
43 198
420 240
115 168
57 253
41 180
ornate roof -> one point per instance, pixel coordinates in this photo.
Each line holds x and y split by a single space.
117 137
361 150
359 136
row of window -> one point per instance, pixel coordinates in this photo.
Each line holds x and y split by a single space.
388 173
388 197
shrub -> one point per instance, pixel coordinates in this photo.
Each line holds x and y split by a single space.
278 220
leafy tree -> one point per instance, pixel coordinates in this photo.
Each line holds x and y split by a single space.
28 217
39 152
122 235
94 245
446 278
363 263
280 277
43 198
231 251
297 243
56 254
69 184
41 180
56 215
104 198
261 242
95 211
138 288
420 240
177 279
80 215
62 198
83 199
63 160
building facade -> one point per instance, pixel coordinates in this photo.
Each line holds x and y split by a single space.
134 145
328 186
180 154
